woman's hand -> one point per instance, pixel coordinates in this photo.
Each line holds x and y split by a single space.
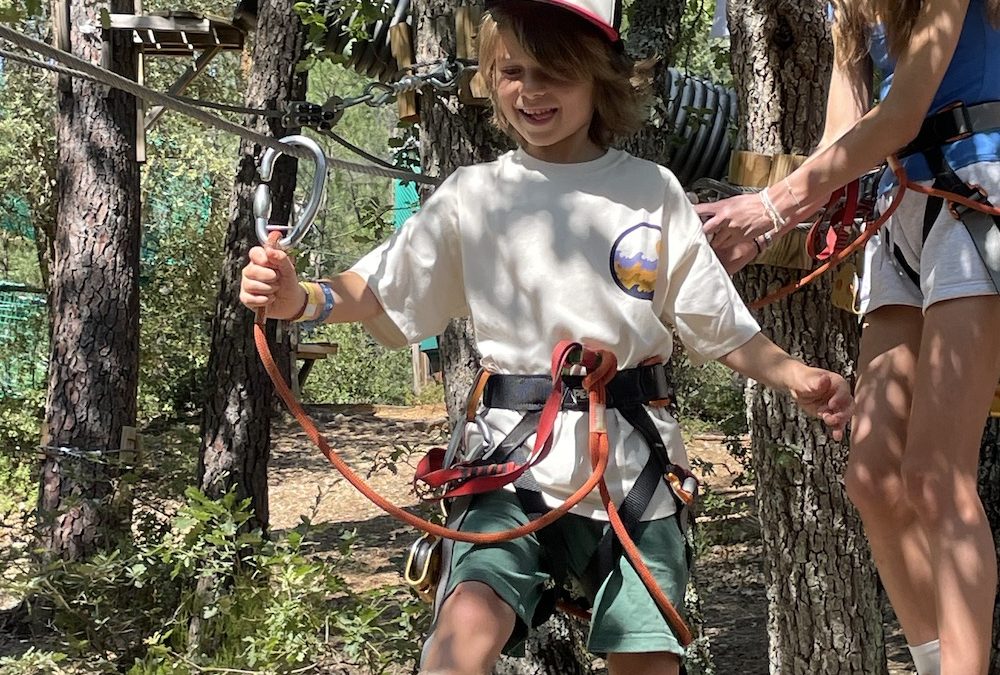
269 280
734 220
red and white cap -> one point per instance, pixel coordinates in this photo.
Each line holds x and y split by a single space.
605 14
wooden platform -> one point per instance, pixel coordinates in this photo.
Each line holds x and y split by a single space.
309 353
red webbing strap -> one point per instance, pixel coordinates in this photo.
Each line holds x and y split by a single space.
485 478
837 258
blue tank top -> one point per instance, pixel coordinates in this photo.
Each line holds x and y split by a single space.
972 77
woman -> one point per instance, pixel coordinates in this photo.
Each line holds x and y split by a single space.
930 351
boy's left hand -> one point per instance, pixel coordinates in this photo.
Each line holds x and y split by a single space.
827 396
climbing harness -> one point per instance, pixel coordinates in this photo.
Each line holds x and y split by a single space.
854 202
966 202
490 465
599 368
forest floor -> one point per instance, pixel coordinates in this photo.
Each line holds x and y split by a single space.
729 570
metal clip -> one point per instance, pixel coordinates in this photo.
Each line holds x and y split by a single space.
456 446
262 196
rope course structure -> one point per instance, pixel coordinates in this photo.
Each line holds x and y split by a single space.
23 343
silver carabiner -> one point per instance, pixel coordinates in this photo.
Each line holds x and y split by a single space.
262 195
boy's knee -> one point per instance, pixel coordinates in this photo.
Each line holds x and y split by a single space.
472 628
476 606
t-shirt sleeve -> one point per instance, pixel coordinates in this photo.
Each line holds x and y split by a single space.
417 273
694 293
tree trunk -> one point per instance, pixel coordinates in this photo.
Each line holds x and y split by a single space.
989 491
94 362
236 423
823 604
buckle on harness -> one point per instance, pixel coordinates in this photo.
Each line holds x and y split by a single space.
952 123
423 567
976 193
683 483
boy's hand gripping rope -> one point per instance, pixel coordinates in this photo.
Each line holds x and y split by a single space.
601 366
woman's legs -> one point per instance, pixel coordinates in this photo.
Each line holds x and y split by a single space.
887 365
956 376
471 631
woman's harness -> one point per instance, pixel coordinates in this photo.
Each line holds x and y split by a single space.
955 123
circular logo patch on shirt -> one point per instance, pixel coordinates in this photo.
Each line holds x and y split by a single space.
635 256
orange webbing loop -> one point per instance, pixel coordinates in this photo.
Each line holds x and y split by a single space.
595 385
904 185
285 393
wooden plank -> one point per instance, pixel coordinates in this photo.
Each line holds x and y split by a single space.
749 169
401 44
472 89
180 84
316 350
61 30
782 165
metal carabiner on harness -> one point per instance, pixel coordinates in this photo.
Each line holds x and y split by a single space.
262 195
456 446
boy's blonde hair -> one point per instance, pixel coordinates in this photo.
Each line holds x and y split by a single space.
573 49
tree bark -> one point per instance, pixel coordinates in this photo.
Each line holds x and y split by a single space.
236 423
989 491
94 361
823 604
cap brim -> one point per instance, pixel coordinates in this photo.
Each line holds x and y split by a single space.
597 21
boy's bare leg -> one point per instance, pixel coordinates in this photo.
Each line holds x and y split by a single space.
472 628
655 663
887 367
956 376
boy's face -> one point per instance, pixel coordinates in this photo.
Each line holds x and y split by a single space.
551 115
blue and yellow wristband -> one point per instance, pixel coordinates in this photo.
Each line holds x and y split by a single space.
319 302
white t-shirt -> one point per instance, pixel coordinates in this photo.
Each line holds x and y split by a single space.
608 252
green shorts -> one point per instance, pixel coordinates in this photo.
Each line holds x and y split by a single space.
625 617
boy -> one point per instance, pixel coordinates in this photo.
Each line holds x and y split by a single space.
563 239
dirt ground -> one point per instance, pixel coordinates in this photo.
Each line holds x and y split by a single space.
302 484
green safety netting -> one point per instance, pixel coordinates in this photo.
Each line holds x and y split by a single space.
23 339
15 216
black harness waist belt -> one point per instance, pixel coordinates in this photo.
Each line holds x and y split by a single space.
630 387
952 124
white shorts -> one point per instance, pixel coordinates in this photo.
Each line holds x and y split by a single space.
947 263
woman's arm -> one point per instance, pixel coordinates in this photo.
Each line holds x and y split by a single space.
848 98
880 132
